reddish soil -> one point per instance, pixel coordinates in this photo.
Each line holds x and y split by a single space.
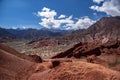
117 67
9 49
76 71
33 58
95 52
13 67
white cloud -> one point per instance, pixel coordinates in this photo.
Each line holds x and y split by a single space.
98 1
110 7
47 13
46 9
61 16
50 20
82 23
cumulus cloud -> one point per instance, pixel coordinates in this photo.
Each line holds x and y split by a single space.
110 7
50 19
98 1
82 23
47 13
61 16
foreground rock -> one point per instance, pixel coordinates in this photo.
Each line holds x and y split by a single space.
76 71
106 54
13 67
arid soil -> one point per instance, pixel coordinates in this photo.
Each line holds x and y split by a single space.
106 54
13 67
33 58
67 66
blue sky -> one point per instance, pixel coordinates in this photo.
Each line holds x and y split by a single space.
76 13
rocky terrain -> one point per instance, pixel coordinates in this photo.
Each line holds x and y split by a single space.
106 54
107 27
13 67
88 54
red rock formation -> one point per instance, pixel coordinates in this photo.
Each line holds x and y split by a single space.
35 58
13 67
81 49
88 48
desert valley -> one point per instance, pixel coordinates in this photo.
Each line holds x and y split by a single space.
59 39
85 54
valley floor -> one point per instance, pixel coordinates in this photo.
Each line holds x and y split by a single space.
45 52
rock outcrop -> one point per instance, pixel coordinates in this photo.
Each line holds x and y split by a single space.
13 67
88 48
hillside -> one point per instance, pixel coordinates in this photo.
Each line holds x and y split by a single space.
5 33
16 68
107 28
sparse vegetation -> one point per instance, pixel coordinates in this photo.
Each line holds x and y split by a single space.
44 52
23 56
114 63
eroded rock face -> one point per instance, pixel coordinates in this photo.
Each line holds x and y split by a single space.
12 67
35 58
89 48
81 49
95 52
55 63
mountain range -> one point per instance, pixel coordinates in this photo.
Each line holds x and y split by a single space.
106 28
31 33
